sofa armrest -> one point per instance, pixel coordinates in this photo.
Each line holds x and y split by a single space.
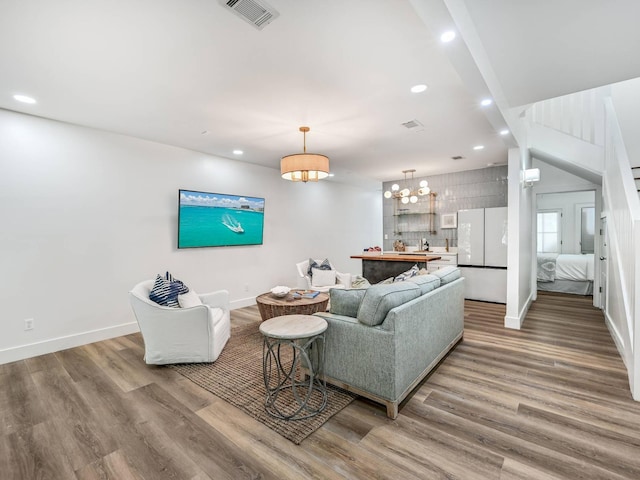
425 327
359 355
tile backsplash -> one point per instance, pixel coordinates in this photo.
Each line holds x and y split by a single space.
486 187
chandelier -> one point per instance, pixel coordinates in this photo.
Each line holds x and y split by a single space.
304 167
408 194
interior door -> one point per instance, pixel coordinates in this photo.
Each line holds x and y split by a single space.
604 252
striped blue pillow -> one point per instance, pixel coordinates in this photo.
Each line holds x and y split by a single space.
181 286
165 291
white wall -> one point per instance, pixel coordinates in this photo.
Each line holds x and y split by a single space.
87 214
520 287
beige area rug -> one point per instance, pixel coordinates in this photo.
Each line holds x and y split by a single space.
236 376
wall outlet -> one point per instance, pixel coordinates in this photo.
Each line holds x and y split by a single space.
28 324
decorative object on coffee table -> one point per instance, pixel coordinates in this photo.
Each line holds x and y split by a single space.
295 388
280 291
271 306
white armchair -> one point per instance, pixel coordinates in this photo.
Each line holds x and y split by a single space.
342 280
181 335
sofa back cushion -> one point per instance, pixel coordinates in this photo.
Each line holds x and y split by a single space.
426 282
447 274
345 302
379 299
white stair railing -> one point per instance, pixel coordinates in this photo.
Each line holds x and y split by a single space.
579 114
623 225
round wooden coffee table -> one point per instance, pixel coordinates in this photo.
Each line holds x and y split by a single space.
271 306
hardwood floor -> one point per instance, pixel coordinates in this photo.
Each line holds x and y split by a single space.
550 401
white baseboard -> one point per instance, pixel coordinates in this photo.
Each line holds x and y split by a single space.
516 322
617 338
242 302
21 352
43 347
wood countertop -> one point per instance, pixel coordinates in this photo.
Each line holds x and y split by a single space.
395 257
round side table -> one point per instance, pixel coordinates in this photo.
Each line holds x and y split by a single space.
293 366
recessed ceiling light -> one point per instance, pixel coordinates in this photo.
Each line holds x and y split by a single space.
478 147
447 36
418 88
238 152
504 132
24 99
486 102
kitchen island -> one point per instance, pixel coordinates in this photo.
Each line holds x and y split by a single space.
378 266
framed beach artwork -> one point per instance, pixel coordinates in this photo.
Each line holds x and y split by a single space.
219 219
449 220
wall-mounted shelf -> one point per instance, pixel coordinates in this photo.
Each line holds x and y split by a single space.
417 217
401 214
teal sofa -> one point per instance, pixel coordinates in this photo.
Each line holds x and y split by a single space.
382 341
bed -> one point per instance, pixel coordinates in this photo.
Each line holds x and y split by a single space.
566 273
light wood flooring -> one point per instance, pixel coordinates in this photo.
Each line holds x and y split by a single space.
548 402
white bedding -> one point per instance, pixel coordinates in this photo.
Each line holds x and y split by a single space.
574 267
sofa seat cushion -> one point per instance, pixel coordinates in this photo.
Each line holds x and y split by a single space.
426 282
346 302
379 299
447 274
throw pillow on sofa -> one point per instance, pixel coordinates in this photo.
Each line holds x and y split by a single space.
345 302
379 299
412 272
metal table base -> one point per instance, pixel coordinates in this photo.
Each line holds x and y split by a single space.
293 376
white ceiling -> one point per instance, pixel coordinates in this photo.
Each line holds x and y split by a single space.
169 70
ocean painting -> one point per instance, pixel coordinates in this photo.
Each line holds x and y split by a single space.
219 220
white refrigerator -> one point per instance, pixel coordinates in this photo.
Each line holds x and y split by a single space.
482 253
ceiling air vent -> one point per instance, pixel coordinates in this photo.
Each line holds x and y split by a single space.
457 157
257 13
413 125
